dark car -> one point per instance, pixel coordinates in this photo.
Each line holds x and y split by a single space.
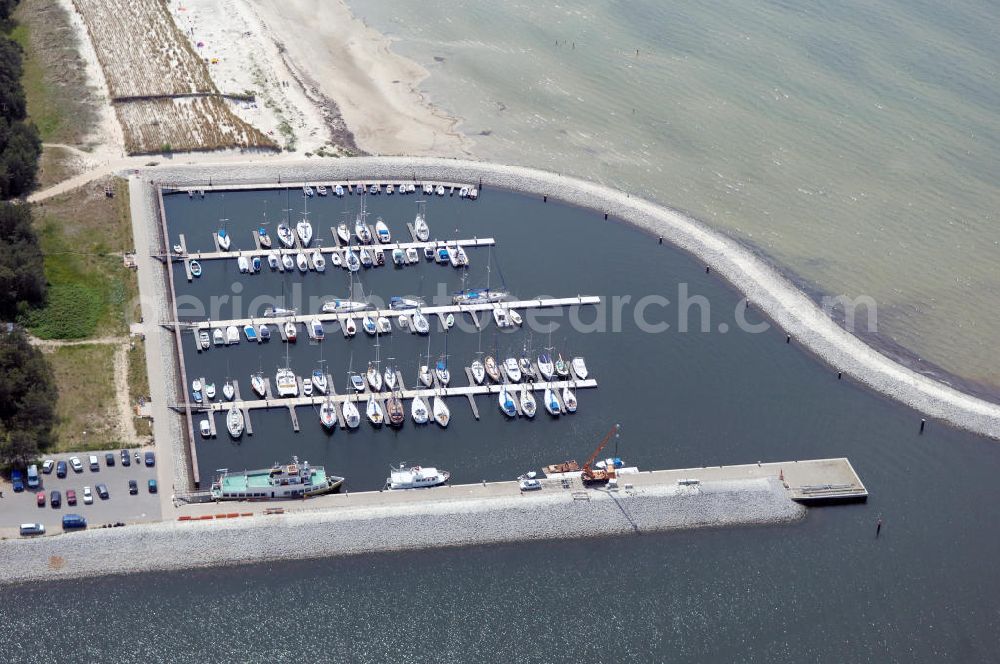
109 459
150 459
17 479
55 499
102 491
152 486
70 497
40 498
133 487
126 458
61 469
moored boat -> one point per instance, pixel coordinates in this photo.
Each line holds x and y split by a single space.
507 406
285 235
286 383
287 261
551 404
351 415
302 262
232 334
579 368
569 399
291 332
328 413
235 422
420 228
415 478
218 336
512 369
396 413
319 381
478 372
224 240
545 366
229 390
344 233
318 261
195 268
442 415
441 371
374 411
562 369
374 377
338 306
263 237
382 231
305 232
490 365
369 325
478 296
258 384
528 405
293 480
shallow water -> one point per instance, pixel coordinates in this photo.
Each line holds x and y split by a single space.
824 589
854 143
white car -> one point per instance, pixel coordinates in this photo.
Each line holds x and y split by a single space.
48 466
77 465
88 497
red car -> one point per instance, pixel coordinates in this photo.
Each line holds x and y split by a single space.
40 498
70 497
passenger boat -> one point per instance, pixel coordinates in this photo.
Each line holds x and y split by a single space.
420 228
229 390
528 405
478 296
232 335
287 261
328 414
382 231
507 406
278 312
235 422
351 415
441 371
285 235
344 233
263 237
490 365
478 372
318 333
366 257
384 326
264 332
415 478
420 324
218 336
337 259
250 331
243 264
195 267
319 263
369 325
425 375
374 377
291 332
412 256
210 390
273 261
418 410
305 231
286 383
351 259
441 413
545 366
397 303
513 371
396 413
280 482
358 382
321 189
514 317
319 381
551 404
374 411
258 384
579 368
224 240
338 306
302 262
569 399
399 257
361 231
562 369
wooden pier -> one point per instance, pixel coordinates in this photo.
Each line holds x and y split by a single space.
202 256
451 188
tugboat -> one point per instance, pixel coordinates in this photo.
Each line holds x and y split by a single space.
415 477
292 480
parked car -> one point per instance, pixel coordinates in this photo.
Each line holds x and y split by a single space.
126 458
133 487
40 498
47 466
102 491
109 459
55 499
88 497
73 521
94 465
152 486
61 469
70 497
17 479
33 480
150 459
32 529
77 464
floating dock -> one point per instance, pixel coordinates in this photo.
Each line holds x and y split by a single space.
202 256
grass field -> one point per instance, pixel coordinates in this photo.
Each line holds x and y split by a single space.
86 414
83 235
138 383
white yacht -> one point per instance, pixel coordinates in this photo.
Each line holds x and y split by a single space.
224 239
302 262
285 235
343 306
235 422
361 230
551 404
288 386
579 368
319 381
328 413
513 371
420 227
374 377
528 405
569 399
319 263
506 403
258 384
425 375
478 371
382 231
418 409
374 411
344 233
351 415
442 415
415 477
287 261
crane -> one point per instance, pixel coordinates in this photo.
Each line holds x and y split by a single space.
599 475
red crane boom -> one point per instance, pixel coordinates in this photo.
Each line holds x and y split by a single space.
600 475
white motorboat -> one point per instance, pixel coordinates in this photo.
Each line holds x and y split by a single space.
358 382
412 255
278 312
307 388
307 191
366 257
321 189
449 321
328 414
463 192
418 410
302 262
428 189
352 261
384 326
514 317
343 306
425 375
305 231
382 231
244 264
528 405
196 385
338 191
210 390
285 235
374 411
461 259
337 259
551 404
473 193
374 377
228 390
235 422
232 335
273 260
224 240
316 327
545 366
513 371
429 252
375 189
258 384
478 372
351 415
389 189
218 336
286 382
506 403
369 325
287 261
453 256
206 428
263 332
344 233
500 317
318 261
203 340
399 257
319 381
569 399
403 321
420 228
420 324
441 413
291 332
349 326
440 190
579 368
397 303
415 478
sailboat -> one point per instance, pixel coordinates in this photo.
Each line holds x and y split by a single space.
258 384
441 413
374 411
528 405
490 365
418 410
551 404
397 303
319 381
569 399
304 229
396 414
218 336
513 371
420 324
273 260
545 366
374 376
235 422
285 235
360 227
344 233
420 228
507 406
478 371
353 263
382 231
290 332
389 377
287 261
366 257
562 369
328 413
319 263
384 326
579 368
369 325
302 262
229 390
224 240
351 415
336 259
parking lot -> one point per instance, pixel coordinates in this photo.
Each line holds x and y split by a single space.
18 508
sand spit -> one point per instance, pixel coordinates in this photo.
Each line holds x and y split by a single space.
346 530
768 290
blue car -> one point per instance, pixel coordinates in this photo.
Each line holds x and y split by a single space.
150 459
61 469
17 479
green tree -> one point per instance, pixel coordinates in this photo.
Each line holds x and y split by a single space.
26 408
22 267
